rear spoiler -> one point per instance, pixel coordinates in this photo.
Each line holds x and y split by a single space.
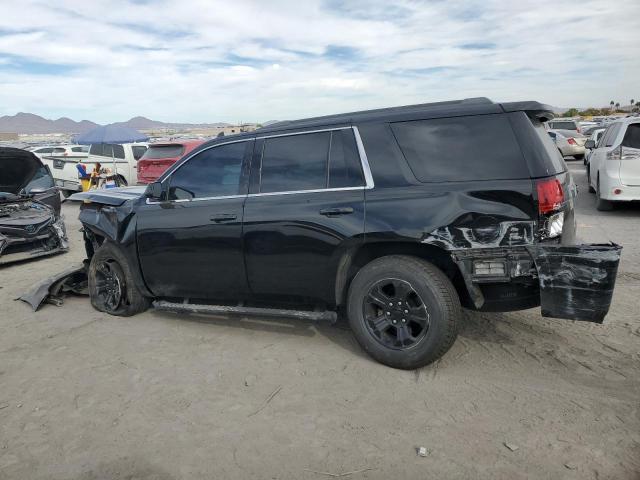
537 110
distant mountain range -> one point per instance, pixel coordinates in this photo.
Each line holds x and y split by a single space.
30 123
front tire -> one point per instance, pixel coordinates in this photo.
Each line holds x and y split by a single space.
111 286
404 311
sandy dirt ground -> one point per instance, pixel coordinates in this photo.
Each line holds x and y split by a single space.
85 396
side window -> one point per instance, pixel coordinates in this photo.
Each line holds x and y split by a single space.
295 162
611 135
44 150
118 150
481 147
212 173
632 136
58 151
345 169
138 151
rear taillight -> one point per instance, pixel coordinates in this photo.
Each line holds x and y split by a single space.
550 195
571 141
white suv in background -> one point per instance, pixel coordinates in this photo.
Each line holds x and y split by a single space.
121 157
614 166
62 161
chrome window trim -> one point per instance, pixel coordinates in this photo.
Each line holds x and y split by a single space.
316 190
368 177
183 200
364 162
289 134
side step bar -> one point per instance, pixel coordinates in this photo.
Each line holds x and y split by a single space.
323 316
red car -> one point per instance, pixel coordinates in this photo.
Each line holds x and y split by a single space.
161 156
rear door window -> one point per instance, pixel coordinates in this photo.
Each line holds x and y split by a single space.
345 169
295 162
107 150
632 136
480 147
211 173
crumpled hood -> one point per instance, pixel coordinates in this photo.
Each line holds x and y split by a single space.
110 196
17 169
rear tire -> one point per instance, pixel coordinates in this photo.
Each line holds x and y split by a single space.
579 157
111 285
601 204
404 312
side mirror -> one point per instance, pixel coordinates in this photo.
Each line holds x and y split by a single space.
154 190
590 144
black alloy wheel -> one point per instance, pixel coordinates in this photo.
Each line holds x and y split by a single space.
110 285
395 315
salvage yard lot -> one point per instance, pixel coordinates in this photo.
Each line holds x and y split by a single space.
84 395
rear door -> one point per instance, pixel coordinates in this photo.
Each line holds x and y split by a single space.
190 244
304 210
630 156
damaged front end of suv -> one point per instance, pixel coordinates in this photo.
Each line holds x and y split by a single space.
30 222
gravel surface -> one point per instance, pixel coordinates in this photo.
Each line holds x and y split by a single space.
84 395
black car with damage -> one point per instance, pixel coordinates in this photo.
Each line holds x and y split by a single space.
30 221
395 218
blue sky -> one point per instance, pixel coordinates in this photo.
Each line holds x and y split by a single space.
208 61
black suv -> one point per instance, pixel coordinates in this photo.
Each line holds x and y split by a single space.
395 217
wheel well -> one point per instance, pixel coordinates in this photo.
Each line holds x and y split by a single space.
370 251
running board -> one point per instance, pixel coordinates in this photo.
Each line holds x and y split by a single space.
323 316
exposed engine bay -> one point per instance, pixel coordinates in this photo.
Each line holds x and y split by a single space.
28 229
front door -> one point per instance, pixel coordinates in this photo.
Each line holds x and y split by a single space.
190 244
306 210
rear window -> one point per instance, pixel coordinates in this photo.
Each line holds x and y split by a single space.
164 151
563 125
632 136
481 147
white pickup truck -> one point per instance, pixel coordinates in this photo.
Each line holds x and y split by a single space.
120 158
62 161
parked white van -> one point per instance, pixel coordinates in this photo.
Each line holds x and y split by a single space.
124 156
613 171
62 161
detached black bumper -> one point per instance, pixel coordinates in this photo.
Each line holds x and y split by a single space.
576 282
571 282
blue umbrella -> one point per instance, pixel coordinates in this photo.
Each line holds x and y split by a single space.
111 134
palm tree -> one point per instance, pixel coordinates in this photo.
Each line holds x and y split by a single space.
632 102
617 106
611 104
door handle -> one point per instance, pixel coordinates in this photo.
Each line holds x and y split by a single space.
334 212
223 217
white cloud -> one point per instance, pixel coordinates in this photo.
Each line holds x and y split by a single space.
198 60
